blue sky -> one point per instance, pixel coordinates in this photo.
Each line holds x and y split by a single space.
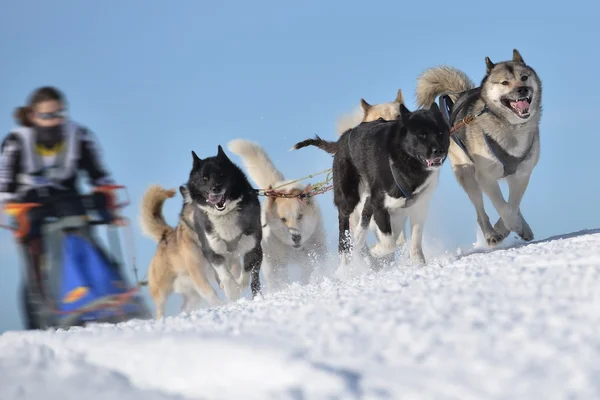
155 80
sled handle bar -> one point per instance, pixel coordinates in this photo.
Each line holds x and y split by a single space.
19 210
109 192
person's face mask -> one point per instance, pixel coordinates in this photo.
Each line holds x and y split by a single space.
49 135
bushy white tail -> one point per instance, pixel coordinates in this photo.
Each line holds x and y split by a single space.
258 164
436 81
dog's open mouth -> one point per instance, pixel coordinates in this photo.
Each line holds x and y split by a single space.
433 162
217 200
519 106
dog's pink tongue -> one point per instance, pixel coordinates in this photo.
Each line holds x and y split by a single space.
521 105
214 199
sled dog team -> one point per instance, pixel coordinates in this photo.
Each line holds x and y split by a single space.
386 166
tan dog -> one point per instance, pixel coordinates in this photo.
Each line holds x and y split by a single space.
366 113
178 264
293 229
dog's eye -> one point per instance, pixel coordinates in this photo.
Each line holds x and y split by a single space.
284 220
300 217
524 78
505 83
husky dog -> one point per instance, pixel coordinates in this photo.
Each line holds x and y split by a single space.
502 142
367 113
228 221
178 263
398 163
293 229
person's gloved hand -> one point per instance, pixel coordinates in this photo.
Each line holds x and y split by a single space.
119 221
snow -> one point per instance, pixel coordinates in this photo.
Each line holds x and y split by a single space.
521 322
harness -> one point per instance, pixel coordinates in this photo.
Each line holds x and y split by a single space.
411 198
47 167
509 162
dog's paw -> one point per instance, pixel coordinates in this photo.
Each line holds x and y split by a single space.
401 239
244 279
513 222
521 228
493 238
379 250
527 233
232 289
501 229
345 257
417 257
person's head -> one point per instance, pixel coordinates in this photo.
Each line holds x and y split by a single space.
46 108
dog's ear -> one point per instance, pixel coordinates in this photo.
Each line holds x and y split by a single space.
517 57
489 65
404 113
365 106
399 97
221 153
308 199
185 193
197 160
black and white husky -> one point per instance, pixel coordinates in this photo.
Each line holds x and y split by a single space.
229 223
394 165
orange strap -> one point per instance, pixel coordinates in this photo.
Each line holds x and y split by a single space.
119 301
19 212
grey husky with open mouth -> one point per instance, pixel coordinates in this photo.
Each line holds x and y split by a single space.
500 142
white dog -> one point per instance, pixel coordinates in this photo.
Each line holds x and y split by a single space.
293 231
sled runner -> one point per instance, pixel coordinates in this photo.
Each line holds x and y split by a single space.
75 280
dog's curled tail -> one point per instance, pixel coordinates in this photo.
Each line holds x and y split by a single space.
437 81
328 146
260 167
152 220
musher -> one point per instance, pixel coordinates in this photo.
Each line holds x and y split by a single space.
41 159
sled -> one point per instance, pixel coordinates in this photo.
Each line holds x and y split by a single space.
79 281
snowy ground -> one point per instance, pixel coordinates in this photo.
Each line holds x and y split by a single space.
516 323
